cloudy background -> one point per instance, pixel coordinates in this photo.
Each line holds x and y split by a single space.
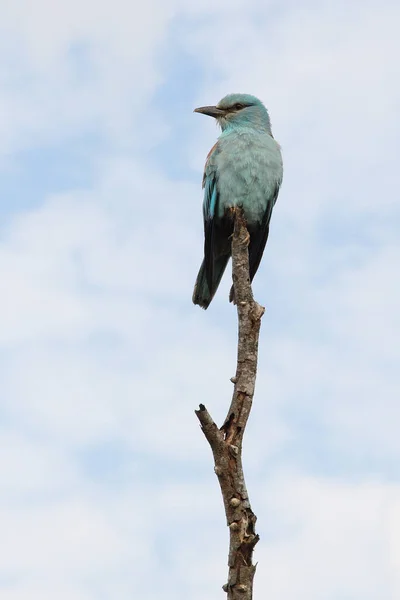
106 483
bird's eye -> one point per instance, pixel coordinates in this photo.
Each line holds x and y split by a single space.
238 106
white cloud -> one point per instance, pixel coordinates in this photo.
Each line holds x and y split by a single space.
329 539
31 467
116 46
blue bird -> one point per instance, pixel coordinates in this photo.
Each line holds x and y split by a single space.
243 169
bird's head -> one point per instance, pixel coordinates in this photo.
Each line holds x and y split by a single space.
237 111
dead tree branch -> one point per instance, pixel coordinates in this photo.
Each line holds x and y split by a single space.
226 442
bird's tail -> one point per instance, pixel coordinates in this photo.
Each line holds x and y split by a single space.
202 295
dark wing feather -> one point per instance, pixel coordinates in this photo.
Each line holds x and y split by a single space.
259 237
210 207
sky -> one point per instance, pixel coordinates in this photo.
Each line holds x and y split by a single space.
107 487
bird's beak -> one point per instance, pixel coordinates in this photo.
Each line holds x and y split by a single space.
211 111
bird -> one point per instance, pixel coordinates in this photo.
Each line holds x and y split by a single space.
243 169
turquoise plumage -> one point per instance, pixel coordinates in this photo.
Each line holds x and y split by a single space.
244 168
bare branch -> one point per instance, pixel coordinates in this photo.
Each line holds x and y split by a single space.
226 443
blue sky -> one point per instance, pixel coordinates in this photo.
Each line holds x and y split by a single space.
106 481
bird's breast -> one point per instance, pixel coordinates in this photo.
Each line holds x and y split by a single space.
248 170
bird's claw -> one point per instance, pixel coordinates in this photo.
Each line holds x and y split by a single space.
246 238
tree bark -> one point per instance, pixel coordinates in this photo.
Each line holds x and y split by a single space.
226 442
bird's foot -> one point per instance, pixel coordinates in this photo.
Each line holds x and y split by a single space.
246 238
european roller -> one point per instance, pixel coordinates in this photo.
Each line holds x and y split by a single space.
243 169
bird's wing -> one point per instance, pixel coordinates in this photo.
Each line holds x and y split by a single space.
210 209
260 236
